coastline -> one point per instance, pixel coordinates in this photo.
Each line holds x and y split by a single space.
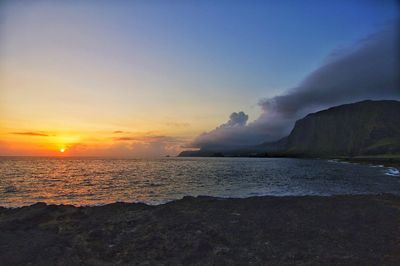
388 161
385 160
348 229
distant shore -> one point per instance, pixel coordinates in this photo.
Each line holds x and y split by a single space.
385 160
362 230
388 161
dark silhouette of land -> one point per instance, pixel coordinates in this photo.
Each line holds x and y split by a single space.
367 128
310 230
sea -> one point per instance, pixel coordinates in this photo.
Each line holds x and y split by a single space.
95 181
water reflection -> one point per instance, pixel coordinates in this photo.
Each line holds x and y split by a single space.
24 181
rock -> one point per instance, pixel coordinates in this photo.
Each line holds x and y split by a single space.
362 230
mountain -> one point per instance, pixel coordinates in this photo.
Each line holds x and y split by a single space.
362 128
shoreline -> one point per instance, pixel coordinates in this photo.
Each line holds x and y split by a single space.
386 162
346 229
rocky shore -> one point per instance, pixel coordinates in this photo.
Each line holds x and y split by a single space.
310 230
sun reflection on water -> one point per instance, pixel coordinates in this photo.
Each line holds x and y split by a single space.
25 181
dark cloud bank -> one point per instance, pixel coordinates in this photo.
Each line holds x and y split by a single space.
370 69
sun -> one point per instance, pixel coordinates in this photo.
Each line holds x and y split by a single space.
62 150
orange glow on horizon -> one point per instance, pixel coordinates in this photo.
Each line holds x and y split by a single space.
31 142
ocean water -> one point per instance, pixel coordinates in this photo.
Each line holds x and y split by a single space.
24 181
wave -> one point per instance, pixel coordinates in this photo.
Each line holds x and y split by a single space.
392 171
379 165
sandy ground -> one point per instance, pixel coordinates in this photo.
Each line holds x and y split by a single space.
340 230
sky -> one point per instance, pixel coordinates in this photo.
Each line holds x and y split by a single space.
150 78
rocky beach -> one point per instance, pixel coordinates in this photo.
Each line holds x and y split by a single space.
309 230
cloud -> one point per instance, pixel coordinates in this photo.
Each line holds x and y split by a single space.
119 132
369 69
149 139
133 146
177 124
236 120
124 139
233 133
37 134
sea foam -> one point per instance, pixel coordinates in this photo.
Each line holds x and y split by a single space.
392 171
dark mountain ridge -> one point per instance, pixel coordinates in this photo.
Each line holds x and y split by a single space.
361 128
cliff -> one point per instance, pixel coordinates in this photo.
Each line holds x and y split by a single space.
363 128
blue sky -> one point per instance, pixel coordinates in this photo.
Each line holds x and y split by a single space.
94 65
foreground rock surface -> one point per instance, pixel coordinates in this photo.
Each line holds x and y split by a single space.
361 230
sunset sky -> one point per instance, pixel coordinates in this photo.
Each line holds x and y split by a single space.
144 78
